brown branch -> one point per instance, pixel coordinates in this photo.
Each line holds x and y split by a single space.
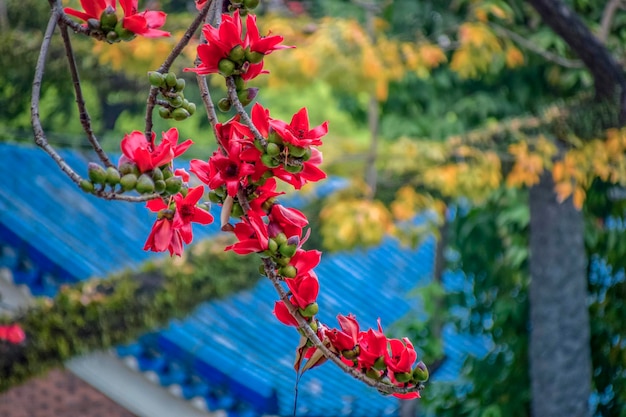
526 44
85 120
167 64
241 111
607 19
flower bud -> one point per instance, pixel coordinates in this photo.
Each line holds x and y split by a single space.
287 250
403 376
250 4
275 138
96 173
156 79
246 95
288 271
113 37
281 238
272 245
180 85
307 154
282 261
173 184
190 107
180 114
159 186
310 310
351 353
237 54
272 149
379 364
113 176
296 151
145 184
269 161
240 83
128 182
165 113
237 211
226 67
175 102
420 373
108 19
224 104
123 33
294 169
373 373
86 186
254 57
170 79
214 198
157 174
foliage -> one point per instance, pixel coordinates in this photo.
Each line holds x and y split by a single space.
101 313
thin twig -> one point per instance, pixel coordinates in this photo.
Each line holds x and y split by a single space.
165 67
85 120
232 96
214 18
525 43
607 19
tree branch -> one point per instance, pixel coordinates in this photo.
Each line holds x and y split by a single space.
607 19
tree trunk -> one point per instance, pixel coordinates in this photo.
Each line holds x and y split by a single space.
560 355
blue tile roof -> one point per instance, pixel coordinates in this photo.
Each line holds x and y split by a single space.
232 353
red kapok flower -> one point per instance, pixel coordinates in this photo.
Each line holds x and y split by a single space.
146 155
187 212
252 235
289 221
12 333
304 289
283 315
347 338
372 345
92 9
297 132
261 44
402 356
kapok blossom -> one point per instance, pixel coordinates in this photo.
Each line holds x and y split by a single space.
146 23
252 235
12 333
304 289
173 228
225 39
146 155
298 132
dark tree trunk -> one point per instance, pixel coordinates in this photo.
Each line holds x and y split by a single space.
560 362
560 356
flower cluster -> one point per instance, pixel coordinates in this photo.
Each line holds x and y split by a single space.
100 15
242 175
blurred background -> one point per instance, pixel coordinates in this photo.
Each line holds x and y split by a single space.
450 123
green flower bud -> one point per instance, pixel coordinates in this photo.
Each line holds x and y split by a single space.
250 4
157 174
226 67
124 34
351 353
96 173
374 374
167 172
108 19
214 198
258 145
128 182
180 114
113 176
403 376
254 57
190 107
159 186
113 37
272 246
224 104
307 154
86 186
272 149
145 184
127 168
282 261
240 83
294 169
237 211
269 161
313 325
420 373
237 54
165 113
310 310
175 102
156 79
246 95
173 184
287 250
379 364
275 138
288 271
170 79
281 238
296 151
180 85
